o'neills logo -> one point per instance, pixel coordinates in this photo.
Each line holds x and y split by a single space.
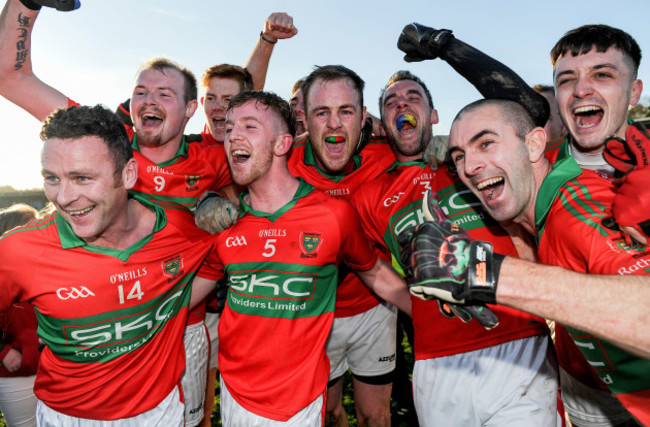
641 264
309 244
173 267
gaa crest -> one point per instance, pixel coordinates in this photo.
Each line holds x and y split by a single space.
309 244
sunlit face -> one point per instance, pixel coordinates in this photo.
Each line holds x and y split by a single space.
252 130
554 126
297 103
493 163
215 103
79 179
158 108
334 113
407 97
593 93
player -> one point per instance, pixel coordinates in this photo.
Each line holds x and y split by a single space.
281 259
391 204
109 276
331 159
499 154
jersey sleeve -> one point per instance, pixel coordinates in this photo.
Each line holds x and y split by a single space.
10 268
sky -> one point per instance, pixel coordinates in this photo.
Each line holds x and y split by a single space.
92 54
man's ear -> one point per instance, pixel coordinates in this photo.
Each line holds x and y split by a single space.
282 145
536 144
190 108
130 173
637 88
434 117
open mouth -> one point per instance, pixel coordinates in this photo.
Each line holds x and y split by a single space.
240 156
406 122
219 122
335 144
587 116
150 119
82 212
491 188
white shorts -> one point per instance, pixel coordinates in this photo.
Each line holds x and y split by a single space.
364 343
17 401
590 407
195 375
212 323
510 384
235 415
168 413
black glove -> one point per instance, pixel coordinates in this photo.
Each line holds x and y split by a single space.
466 313
62 5
419 42
442 261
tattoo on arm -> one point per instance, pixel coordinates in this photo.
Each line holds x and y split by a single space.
21 47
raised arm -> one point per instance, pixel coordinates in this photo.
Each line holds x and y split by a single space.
18 83
278 26
491 78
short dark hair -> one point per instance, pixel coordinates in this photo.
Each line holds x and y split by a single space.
270 100
76 122
583 39
540 88
512 112
163 64
329 73
399 76
16 215
228 71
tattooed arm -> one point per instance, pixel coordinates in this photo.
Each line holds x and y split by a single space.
18 83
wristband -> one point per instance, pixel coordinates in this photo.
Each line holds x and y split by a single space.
483 272
29 4
261 36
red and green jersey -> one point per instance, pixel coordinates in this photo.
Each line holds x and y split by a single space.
112 320
181 180
352 296
282 271
393 203
570 206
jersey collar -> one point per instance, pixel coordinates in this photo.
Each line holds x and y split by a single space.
303 189
70 240
563 170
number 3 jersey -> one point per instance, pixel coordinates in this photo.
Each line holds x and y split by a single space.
282 270
392 203
112 320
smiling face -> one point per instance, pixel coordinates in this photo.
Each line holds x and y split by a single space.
335 118
251 133
79 178
593 92
407 118
158 107
215 103
494 163
297 103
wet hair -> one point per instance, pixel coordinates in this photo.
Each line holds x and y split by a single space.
512 113
228 71
329 73
582 40
77 122
539 88
397 77
164 64
270 100
16 215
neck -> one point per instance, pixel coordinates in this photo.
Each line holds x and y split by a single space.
136 223
274 190
161 153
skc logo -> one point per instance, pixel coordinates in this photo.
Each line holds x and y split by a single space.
74 293
236 241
